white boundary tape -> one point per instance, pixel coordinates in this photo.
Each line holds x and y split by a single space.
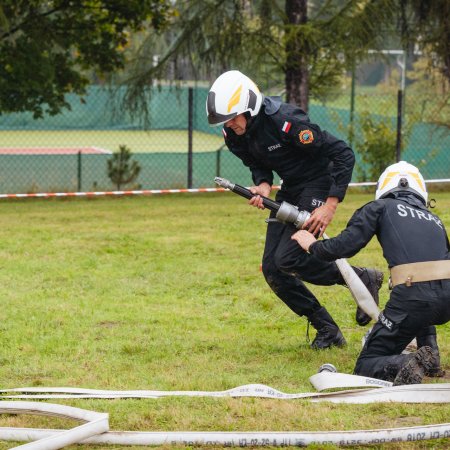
375 391
159 191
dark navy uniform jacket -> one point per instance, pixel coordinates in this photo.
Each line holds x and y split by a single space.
405 228
282 139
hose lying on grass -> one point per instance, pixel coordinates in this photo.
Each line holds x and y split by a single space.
95 431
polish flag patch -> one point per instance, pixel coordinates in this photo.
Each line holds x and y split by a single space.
286 127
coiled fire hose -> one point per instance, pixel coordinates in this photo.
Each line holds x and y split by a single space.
95 430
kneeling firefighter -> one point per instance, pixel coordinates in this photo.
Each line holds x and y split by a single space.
416 247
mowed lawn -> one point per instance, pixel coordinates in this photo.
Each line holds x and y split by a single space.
166 293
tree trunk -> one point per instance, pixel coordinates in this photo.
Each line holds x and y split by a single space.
297 51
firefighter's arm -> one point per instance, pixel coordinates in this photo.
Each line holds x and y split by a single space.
321 217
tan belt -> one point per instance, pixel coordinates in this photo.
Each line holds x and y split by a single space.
420 271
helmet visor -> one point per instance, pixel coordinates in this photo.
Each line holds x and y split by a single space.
215 118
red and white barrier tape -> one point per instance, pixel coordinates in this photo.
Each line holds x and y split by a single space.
110 193
158 191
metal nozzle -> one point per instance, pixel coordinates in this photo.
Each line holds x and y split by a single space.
290 214
224 183
327 368
246 193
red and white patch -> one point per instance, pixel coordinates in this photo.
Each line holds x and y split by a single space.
286 127
224 133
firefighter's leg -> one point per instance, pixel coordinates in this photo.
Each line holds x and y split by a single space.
293 292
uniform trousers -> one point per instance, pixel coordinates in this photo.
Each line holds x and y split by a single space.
286 265
409 311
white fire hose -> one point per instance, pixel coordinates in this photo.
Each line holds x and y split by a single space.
96 423
95 430
244 439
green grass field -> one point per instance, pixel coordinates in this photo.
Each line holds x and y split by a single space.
166 141
165 293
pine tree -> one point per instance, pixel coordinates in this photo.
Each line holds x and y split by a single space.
121 170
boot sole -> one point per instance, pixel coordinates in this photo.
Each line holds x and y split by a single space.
414 370
340 343
435 373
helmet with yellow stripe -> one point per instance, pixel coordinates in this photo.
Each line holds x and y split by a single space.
231 94
401 176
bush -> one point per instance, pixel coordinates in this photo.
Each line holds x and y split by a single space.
121 170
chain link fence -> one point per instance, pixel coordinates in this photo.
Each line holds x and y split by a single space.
177 149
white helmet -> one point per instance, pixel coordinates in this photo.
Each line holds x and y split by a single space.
231 94
401 177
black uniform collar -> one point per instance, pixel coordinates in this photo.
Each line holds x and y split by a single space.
271 105
409 197
252 123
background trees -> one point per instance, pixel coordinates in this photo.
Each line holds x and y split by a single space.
271 40
309 45
47 47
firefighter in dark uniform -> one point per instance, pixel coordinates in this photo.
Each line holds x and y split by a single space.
416 248
316 168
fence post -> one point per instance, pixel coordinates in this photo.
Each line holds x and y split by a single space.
79 171
190 130
398 146
218 157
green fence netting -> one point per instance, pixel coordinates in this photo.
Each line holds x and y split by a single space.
99 121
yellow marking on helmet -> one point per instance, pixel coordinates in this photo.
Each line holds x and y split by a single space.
235 98
417 178
388 178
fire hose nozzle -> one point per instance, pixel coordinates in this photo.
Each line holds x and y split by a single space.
327 368
290 214
224 183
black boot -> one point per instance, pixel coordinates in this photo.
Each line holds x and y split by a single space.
372 279
328 333
391 369
413 371
430 341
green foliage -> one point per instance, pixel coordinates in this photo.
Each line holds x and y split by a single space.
46 47
426 23
121 170
263 40
376 145
279 46
429 93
